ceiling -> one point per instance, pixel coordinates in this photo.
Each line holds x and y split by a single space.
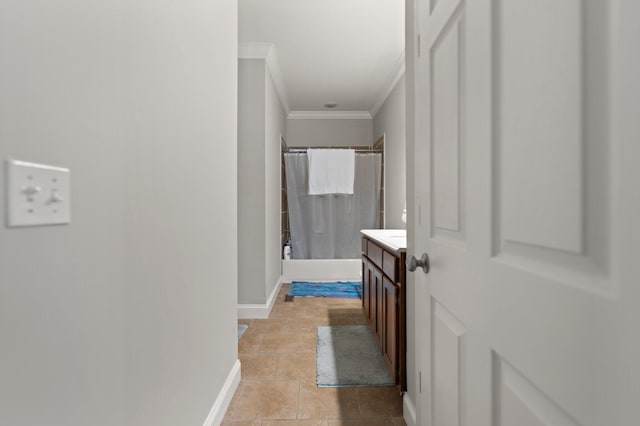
346 51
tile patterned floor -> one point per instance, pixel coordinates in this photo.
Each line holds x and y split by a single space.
278 386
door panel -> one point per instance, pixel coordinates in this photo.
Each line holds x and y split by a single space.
520 403
391 325
447 347
512 189
547 150
538 122
445 131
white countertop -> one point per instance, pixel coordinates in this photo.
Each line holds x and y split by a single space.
393 239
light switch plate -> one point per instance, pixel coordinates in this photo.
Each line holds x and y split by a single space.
37 194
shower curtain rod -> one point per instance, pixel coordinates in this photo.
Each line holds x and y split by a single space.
300 150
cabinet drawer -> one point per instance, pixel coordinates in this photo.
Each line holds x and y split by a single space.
390 266
374 253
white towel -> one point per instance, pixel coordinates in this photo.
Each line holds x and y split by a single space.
331 171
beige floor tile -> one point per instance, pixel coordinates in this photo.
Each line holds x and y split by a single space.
341 311
278 358
380 401
270 400
285 288
258 366
299 308
282 343
282 311
265 326
326 402
372 421
349 319
250 343
318 422
305 325
296 366
310 343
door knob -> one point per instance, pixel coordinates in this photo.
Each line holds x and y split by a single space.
423 262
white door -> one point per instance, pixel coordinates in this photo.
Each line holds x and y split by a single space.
526 200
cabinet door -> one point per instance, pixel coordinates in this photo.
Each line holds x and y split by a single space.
376 300
366 287
390 326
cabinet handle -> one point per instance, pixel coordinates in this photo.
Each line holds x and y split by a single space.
423 262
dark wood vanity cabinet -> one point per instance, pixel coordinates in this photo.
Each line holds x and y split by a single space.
383 303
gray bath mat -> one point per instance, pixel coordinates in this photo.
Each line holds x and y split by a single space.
349 356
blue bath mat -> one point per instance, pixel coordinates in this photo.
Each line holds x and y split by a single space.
342 289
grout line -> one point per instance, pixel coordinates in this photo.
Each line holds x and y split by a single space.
358 401
298 402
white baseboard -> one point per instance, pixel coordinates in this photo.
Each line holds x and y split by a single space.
260 310
322 270
409 410
216 415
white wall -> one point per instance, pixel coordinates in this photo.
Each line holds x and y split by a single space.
329 132
127 315
251 181
275 127
260 123
390 121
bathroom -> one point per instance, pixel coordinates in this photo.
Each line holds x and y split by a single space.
263 216
277 109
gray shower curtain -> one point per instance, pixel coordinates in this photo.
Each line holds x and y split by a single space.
328 226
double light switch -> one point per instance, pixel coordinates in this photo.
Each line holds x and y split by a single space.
37 194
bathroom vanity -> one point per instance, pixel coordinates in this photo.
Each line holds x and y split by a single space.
384 295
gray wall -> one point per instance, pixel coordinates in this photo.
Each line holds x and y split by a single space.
260 123
390 121
127 315
275 127
251 180
329 132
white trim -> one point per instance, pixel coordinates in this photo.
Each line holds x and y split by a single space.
329 115
322 270
409 410
392 80
274 69
267 51
260 310
216 415
384 182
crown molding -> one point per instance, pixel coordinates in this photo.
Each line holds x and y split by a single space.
267 51
329 115
392 80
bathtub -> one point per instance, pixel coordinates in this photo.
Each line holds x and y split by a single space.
321 270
